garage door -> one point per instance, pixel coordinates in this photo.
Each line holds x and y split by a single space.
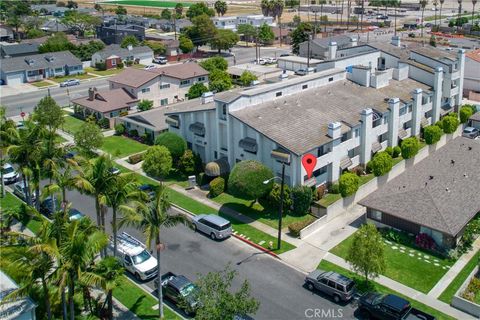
15 78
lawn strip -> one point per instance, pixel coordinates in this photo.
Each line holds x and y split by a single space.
328 266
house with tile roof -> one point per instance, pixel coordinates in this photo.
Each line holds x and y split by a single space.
437 196
113 55
163 85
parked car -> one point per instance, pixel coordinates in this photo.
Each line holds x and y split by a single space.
19 191
262 61
134 257
470 132
69 83
215 226
70 154
339 287
179 288
412 35
114 170
389 307
304 71
160 60
149 190
149 67
49 206
75 214
284 54
9 174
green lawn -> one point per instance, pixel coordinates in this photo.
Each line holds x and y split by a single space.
140 302
41 84
329 198
149 3
120 146
11 202
196 207
413 271
82 76
449 292
108 72
257 211
328 266
72 124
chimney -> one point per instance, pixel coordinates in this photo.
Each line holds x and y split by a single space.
332 50
91 93
207 97
396 41
334 130
353 41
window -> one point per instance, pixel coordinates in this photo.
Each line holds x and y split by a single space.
383 137
317 172
403 110
278 94
223 114
330 79
322 150
184 82
345 137
215 154
164 102
376 215
407 125
410 108
357 132
128 259
354 152
305 86
428 114
164 86
324 281
145 90
114 62
201 79
331 284
58 70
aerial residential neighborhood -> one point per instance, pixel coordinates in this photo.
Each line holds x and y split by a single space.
240 160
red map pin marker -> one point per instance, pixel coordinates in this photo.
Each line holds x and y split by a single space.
309 161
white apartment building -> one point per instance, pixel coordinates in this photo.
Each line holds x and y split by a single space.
353 106
164 85
232 22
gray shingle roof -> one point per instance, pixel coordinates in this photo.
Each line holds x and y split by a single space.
60 59
435 193
341 41
475 116
19 49
154 118
115 49
299 122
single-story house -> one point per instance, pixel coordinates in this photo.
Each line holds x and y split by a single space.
6 33
286 39
113 54
54 26
18 50
150 122
19 308
474 121
105 103
438 196
39 66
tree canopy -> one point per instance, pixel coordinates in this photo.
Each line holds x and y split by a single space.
265 34
220 7
219 81
224 40
299 35
199 9
196 90
246 180
214 63
175 144
89 137
130 41
157 161
247 78
185 44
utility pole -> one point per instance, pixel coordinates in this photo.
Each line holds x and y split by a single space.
308 52
315 25
175 24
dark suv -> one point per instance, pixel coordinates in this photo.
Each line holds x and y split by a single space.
339 287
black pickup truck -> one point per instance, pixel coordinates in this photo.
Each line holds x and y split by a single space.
389 307
181 291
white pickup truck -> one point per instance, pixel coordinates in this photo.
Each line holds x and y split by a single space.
135 258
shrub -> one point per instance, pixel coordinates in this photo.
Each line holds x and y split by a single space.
396 152
410 147
302 198
389 150
450 123
203 179
432 134
273 198
135 158
439 124
173 142
119 129
123 113
466 112
369 166
381 163
348 184
104 123
129 63
246 180
101 66
217 186
334 189
120 65
295 227
397 236
186 163
157 161
133 133
424 241
319 192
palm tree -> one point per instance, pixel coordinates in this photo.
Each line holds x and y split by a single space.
122 191
266 7
423 4
7 132
150 220
278 6
349 6
441 6
435 4
77 251
106 274
321 3
395 4
474 3
221 7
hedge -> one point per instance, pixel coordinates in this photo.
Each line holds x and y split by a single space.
295 227
217 186
382 163
246 180
432 134
450 123
135 158
348 184
174 143
466 112
396 152
410 147
119 129
302 198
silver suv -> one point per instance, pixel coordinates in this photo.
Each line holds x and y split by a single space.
339 287
216 227
470 132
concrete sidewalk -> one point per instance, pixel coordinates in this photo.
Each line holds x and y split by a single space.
448 277
406 291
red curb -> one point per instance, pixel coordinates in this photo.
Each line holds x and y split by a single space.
253 244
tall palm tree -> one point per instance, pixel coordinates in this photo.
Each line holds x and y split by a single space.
349 6
474 3
321 3
220 7
441 6
151 219
435 4
77 251
278 6
7 132
395 4
266 7
423 4
106 274
122 191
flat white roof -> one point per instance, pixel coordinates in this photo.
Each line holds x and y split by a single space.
12 309
298 59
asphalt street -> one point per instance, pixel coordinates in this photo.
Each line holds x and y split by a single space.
26 101
278 287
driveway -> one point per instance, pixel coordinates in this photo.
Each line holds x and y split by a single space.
9 90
